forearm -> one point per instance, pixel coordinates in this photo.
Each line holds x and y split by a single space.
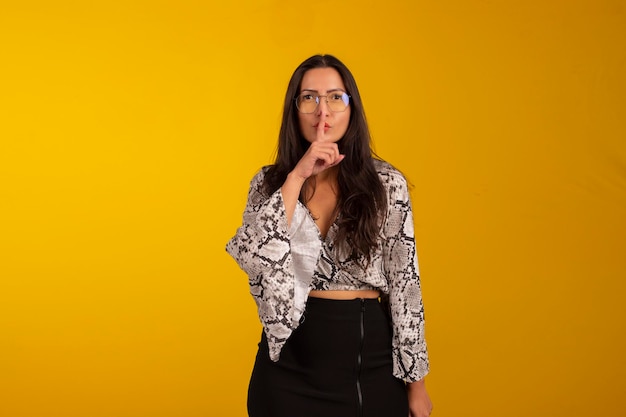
291 192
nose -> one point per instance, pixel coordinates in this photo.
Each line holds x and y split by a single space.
322 107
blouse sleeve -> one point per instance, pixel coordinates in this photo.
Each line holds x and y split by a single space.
278 259
410 357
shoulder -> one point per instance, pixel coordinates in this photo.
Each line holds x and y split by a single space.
257 189
259 176
389 176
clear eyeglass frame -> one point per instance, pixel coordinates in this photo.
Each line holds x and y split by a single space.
337 101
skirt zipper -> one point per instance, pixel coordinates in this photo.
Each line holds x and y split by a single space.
360 360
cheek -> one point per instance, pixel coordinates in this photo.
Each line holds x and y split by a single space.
346 120
302 124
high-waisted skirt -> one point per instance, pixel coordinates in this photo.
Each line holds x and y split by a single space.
337 363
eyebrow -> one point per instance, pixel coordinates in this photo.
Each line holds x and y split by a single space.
327 91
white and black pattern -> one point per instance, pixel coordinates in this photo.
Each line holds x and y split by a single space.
285 263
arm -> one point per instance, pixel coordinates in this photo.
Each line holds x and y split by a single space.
405 297
278 246
291 192
263 238
278 258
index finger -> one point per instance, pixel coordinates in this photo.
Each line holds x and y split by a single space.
320 136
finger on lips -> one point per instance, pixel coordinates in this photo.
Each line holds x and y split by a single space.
320 128
320 132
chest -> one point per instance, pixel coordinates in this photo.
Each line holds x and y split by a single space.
323 208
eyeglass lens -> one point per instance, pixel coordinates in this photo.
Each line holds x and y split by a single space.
338 101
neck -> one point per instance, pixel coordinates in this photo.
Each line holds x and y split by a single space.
328 175
325 180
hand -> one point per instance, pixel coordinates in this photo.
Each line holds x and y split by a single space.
320 156
419 401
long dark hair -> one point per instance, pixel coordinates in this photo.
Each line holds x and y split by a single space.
362 199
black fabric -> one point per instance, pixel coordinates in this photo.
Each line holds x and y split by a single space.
318 370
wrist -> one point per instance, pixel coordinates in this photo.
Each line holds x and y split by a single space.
417 385
295 178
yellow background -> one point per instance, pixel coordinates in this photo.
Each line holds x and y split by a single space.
129 132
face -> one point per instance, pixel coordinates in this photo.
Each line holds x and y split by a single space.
323 81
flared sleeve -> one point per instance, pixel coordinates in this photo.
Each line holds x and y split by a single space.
278 258
410 357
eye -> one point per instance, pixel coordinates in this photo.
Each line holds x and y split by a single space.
336 97
307 97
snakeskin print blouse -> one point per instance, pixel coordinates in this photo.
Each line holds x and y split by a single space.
284 263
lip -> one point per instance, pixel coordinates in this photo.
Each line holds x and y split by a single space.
326 125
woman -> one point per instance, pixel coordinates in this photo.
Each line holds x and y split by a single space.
327 243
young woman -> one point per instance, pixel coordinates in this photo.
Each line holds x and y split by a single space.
328 245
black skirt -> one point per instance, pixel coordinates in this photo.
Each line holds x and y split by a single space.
337 363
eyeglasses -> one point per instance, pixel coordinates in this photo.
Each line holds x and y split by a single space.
308 102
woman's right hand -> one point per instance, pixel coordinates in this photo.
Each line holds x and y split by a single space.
320 156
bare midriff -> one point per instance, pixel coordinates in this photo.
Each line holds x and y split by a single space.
344 295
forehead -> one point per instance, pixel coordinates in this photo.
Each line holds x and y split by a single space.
322 80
